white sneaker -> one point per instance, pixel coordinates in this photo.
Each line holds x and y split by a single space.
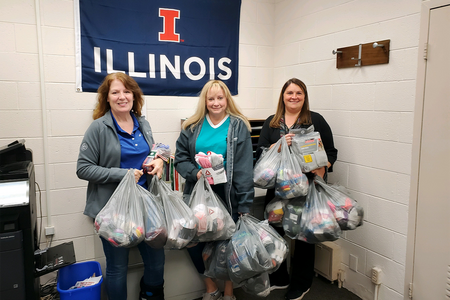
217 295
229 297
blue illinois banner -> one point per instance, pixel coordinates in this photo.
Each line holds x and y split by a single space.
170 47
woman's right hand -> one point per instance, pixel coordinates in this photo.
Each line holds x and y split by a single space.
199 174
138 174
289 138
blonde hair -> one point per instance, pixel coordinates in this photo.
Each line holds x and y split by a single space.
304 114
201 110
102 106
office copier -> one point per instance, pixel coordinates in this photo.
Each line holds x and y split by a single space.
18 233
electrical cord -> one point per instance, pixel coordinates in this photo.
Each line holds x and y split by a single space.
48 290
40 210
377 289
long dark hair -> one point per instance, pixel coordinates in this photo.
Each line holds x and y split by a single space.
305 114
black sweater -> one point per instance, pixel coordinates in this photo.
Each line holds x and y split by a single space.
270 135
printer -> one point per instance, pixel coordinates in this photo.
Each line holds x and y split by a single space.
18 232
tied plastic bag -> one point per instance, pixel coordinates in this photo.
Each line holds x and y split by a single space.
292 216
246 253
275 210
274 243
214 221
154 219
265 170
308 148
318 223
347 212
291 182
215 259
258 285
120 221
180 220
212 167
159 150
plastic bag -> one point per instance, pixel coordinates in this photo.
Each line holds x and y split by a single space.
265 170
347 212
274 243
247 256
318 223
212 167
159 150
154 219
215 259
291 182
274 210
180 220
120 221
258 285
292 216
214 221
308 149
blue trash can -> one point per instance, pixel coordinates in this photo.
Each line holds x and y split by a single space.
69 275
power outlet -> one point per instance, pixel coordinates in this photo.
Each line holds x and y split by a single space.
376 275
49 231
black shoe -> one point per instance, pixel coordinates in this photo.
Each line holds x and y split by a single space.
150 296
295 294
151 292
278 281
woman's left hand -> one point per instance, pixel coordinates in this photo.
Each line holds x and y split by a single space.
156 167
319 172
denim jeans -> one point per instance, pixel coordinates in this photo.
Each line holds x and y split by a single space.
117 267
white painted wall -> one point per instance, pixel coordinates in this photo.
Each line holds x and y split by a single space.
370 109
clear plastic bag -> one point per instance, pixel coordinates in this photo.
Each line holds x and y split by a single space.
159 150
215 259
180 220
265 170
292 216
290 182
317 223
274 210
258 285
154 219
246 253
214 220
274 243
120 221
347 212
308 149
212 167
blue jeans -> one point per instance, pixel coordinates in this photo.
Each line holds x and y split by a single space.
117 267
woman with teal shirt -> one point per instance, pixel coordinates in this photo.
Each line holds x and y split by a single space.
217 126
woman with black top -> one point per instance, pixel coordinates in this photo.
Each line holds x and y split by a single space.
292 113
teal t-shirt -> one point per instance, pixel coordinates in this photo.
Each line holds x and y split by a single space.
213 138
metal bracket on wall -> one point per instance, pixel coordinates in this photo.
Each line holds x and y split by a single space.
374 53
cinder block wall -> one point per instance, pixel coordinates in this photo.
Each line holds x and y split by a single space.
369 109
